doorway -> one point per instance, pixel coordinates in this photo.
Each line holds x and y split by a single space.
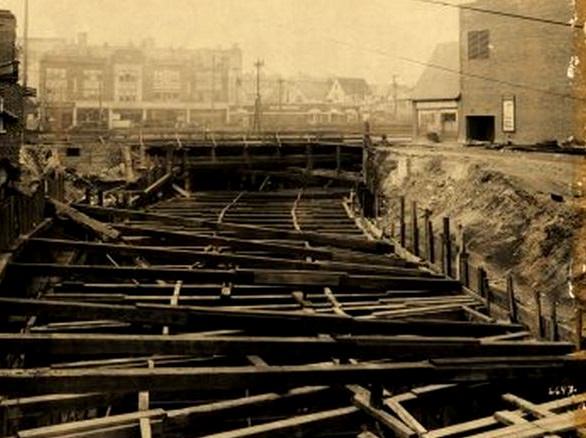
480 128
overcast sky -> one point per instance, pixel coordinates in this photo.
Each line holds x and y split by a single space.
321 37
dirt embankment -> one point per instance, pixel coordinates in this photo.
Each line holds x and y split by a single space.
511 222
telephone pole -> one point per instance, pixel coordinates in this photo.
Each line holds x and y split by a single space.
280 93
256 125
25 46
213 96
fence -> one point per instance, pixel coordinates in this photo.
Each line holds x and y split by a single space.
20 213
444 249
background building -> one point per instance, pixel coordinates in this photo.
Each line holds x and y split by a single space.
11 93
98 86
514 82
436 97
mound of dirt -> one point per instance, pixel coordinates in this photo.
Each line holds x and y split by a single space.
509 228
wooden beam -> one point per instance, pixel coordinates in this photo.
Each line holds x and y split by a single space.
57 344
95 226
253 231
301 425
89 426
502 370
209 318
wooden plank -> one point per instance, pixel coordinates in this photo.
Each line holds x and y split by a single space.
294 426
56 344
192 316
86 426
41 380
258 276
488 422
566 422
405 416
186 418
508 418
126 272
527 406
85 221
337 241
190 238
361 400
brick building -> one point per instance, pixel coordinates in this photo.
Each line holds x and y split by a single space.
83 85
11 93
514 81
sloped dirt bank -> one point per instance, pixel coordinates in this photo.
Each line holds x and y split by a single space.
511 222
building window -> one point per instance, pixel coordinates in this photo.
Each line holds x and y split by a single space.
56 84
91 85
479 44
448 117
73 152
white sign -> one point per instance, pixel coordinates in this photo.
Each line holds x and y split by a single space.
509 122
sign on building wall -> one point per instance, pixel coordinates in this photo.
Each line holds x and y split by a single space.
509 119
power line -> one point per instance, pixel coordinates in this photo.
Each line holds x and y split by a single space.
504 14
461 73
447 69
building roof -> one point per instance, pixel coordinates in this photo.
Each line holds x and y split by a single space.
314 90
354 86
440 83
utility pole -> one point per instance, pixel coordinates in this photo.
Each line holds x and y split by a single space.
100 100
213 80
256 125
25 46
24 72
280 93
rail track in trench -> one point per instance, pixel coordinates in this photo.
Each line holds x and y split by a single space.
263 311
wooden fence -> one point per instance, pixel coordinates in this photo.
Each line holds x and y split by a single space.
20 213
443 247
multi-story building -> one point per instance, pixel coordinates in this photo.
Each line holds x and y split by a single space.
11 93
83 85
514 72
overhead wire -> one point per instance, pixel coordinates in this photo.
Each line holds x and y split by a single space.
570 24
519 85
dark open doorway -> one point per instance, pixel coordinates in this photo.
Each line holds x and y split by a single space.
480 128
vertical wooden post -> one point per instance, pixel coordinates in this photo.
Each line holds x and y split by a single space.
447 244
464 270
169 159
402 230
487 293
88 196
480 283
415 228
553 319
338 159
462 258
100 197
512 300
429 237
538 312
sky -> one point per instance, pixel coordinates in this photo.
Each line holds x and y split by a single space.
360 38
